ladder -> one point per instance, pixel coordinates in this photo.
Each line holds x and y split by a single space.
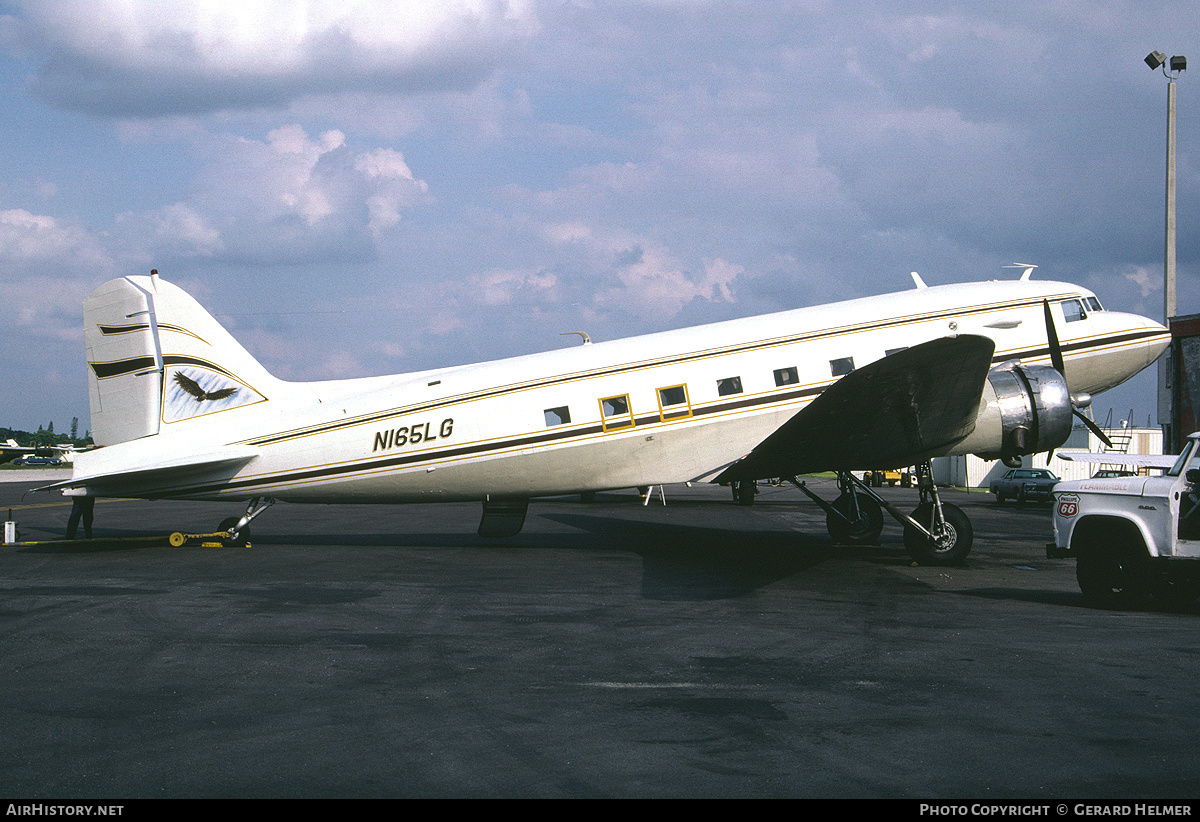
1120 437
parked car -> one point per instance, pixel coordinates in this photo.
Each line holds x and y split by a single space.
1024 484
1113 472
37 461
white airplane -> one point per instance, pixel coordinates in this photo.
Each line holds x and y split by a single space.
184 412
10 451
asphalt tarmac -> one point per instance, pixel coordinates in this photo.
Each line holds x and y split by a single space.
699 649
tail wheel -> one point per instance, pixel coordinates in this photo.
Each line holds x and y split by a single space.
243 537
863 529
1112 576
951 540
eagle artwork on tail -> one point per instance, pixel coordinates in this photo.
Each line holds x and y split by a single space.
193 388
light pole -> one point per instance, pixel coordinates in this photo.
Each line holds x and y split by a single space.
1177 65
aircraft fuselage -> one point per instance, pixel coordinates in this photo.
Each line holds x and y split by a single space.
662 408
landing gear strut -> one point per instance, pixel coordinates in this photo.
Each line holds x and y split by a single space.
937 533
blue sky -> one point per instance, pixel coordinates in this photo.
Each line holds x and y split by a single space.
359 188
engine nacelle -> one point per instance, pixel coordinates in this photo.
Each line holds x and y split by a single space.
1025 409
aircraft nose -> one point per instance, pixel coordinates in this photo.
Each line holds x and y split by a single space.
1149 338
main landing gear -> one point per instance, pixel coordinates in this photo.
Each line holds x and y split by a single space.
936 533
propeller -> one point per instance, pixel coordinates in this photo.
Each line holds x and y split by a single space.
1056 358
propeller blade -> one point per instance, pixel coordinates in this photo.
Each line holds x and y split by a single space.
1056 356
1091 426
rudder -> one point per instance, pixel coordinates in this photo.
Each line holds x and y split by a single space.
156 359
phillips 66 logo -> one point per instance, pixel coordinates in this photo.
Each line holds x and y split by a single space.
1068 505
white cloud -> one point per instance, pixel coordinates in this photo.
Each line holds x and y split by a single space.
290 197
39 244
152 57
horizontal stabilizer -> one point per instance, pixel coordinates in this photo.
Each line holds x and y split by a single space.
907 407
117 479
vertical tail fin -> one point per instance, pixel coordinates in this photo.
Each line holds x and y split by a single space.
156 358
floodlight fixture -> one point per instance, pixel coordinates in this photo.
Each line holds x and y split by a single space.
1179 63
1155 59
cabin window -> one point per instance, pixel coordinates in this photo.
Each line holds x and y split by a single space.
673 403
558 416
1073 310
841 366
786 376
1094 304
729 385
615 413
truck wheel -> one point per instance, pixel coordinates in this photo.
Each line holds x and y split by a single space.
1175 593
948 548
1112 576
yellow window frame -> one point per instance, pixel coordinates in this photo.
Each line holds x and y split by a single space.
619 421
676 411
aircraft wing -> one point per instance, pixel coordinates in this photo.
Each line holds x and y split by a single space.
1126 460
904 408
137 477
10 450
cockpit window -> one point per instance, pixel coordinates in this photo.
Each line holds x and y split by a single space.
1094 304
1073 310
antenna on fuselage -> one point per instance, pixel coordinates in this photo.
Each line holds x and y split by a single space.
918 281
1029 267
586 339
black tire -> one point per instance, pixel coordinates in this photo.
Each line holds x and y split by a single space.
1112 576
1175 593
744 491
1000 498
863 531
243 539
955 544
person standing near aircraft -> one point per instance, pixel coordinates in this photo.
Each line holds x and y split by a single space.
81 508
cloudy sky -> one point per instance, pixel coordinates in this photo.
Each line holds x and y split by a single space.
358 188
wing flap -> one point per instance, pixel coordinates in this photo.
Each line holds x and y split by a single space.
910 406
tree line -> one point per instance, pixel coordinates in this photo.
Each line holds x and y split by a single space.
45 436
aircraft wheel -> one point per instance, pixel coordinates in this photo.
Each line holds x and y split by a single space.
1112 576
744 491
243 538
863 531
950 547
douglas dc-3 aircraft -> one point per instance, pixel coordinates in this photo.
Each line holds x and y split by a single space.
184 412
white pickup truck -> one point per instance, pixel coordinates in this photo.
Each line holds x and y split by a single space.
1133 536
